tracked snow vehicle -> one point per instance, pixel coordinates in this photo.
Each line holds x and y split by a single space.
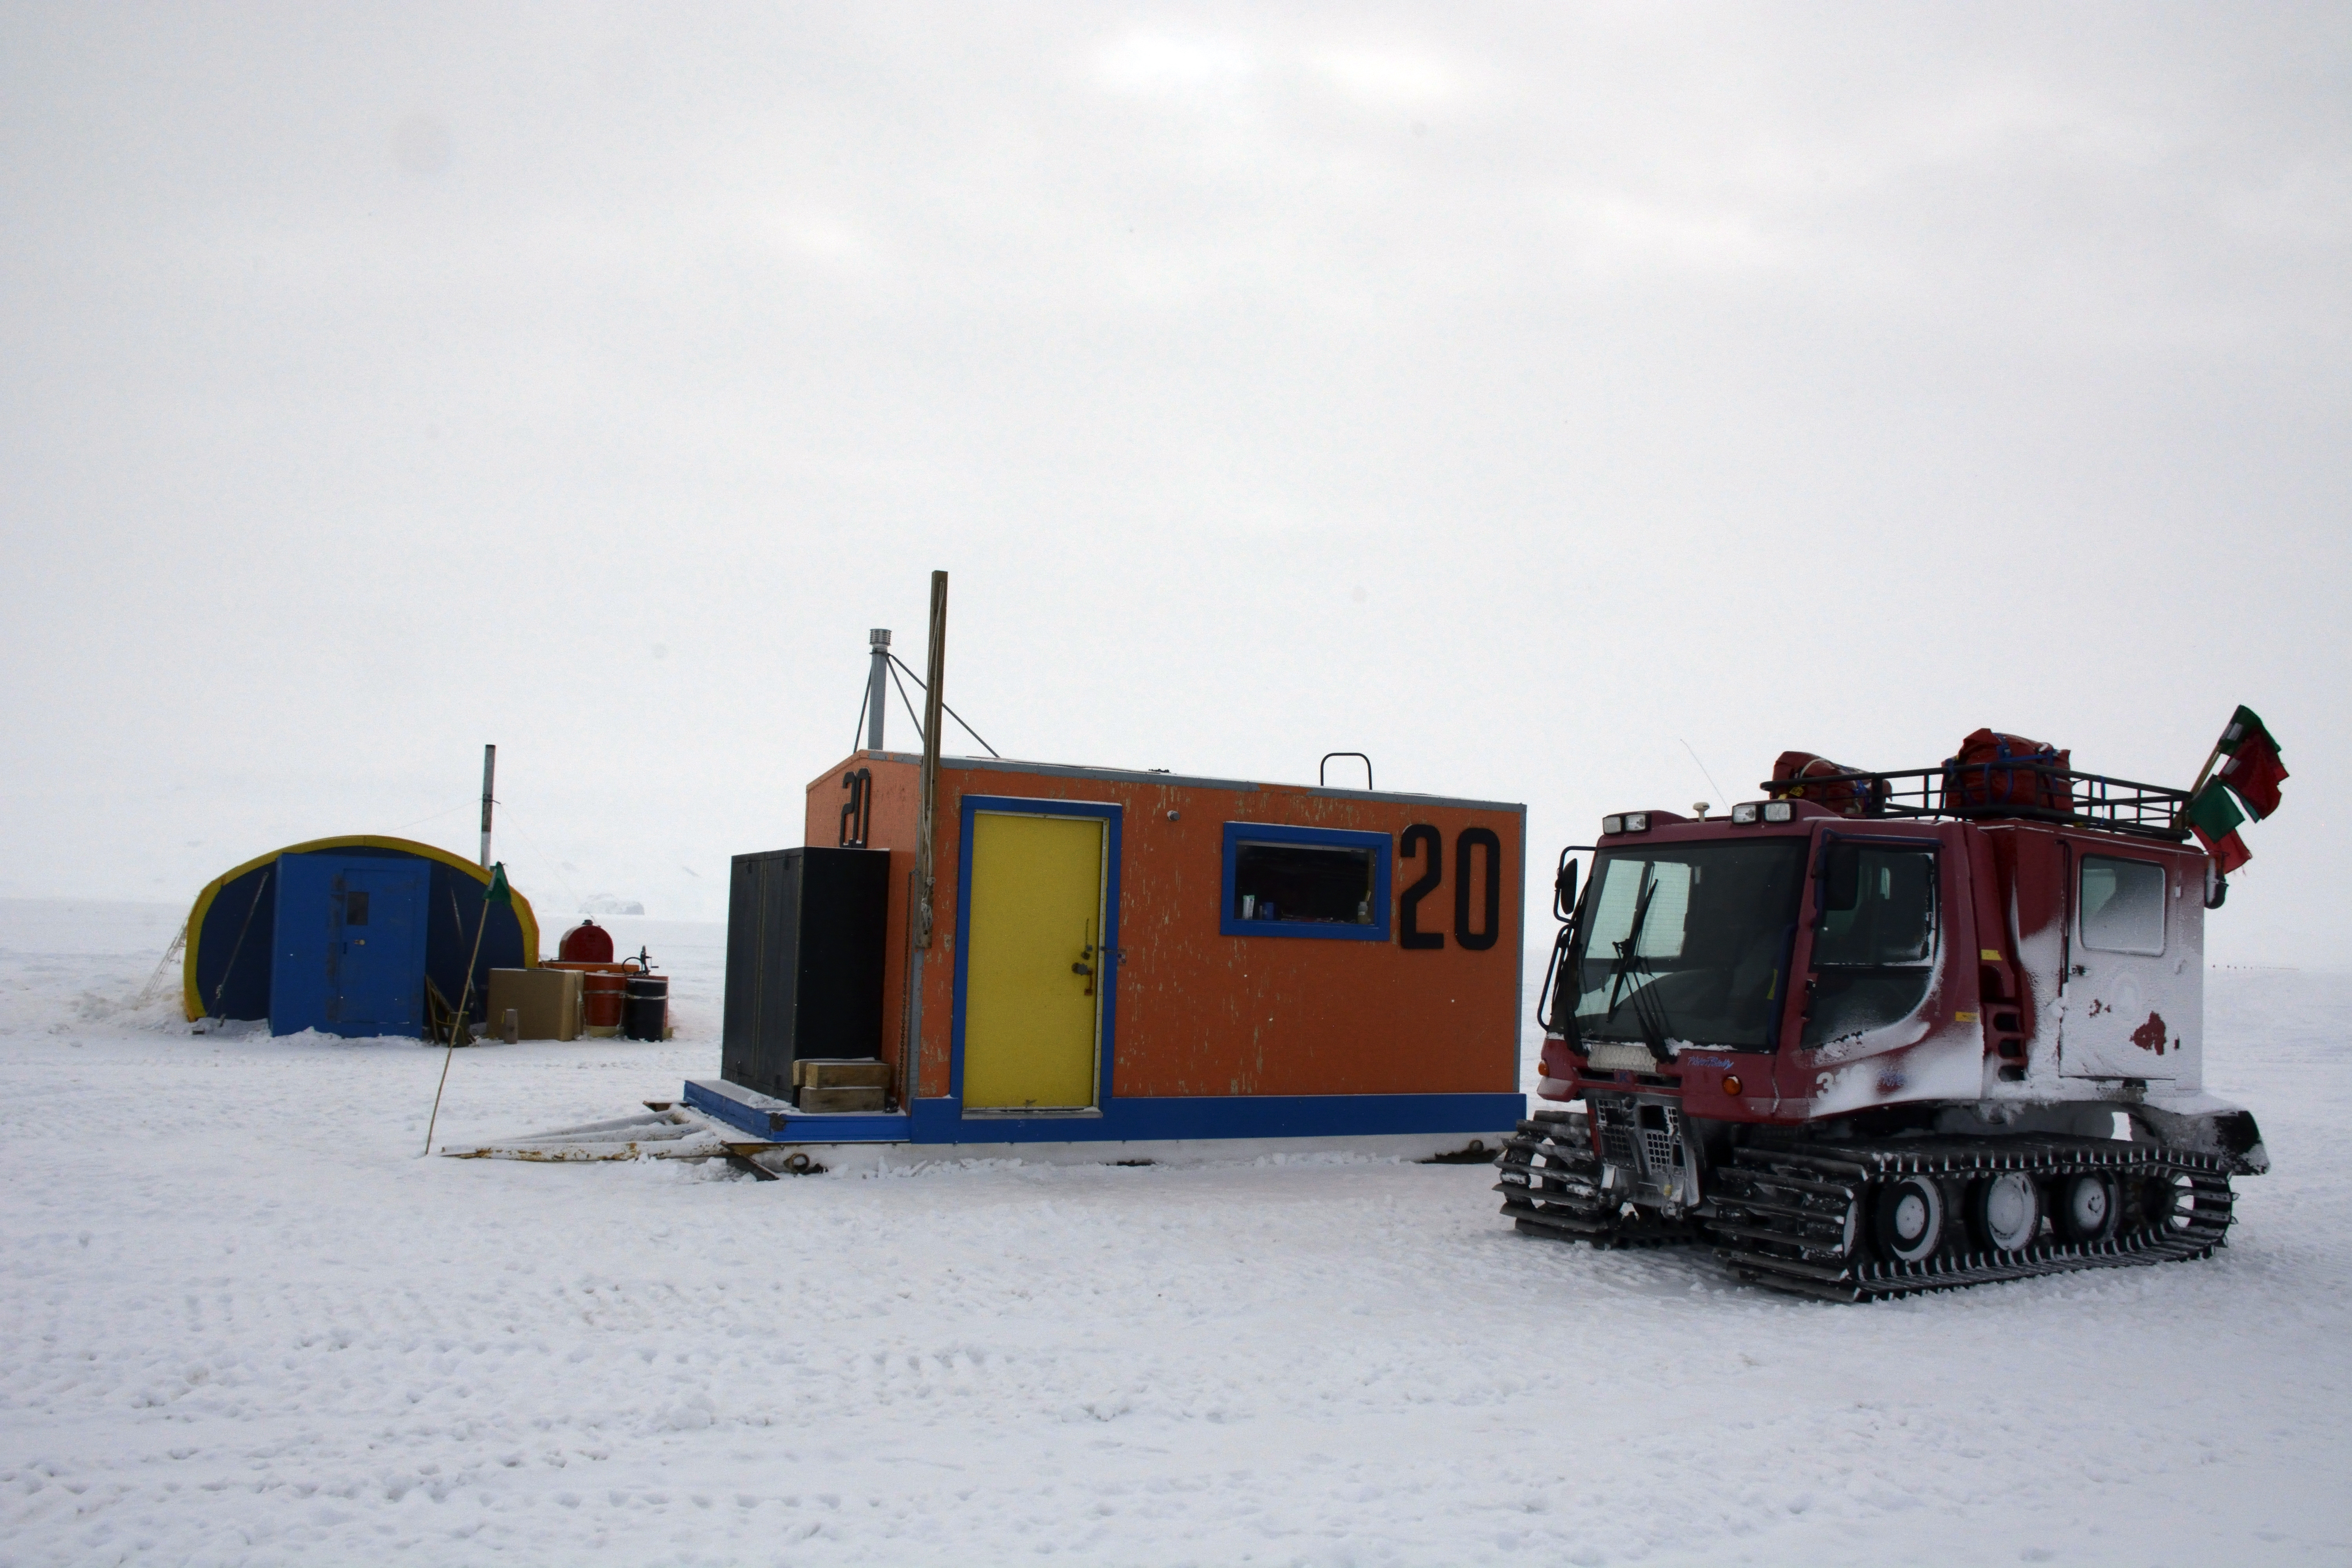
1883 1033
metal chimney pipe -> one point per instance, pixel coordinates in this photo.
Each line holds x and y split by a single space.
877 683
489 772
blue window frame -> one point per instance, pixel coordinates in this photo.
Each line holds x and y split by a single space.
1328 883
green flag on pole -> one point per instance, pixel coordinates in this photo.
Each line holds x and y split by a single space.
2214 816
498 892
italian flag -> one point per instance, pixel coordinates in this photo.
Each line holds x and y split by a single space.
2246 781
2214 816
2253 769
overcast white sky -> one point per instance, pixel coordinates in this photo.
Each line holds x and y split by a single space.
1513 393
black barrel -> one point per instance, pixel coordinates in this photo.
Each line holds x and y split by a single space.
644 1007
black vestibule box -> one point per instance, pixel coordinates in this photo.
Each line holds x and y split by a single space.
804 946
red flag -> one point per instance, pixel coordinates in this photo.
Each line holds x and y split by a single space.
2214 816
2253 769
2229 851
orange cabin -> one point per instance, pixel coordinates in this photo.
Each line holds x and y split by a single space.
1120 955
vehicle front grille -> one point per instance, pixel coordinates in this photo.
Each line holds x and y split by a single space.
1644 1137
1664 1145
1618 1145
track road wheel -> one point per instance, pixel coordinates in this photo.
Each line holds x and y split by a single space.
1910 1221
2165 1202
2087 1208
2006 1211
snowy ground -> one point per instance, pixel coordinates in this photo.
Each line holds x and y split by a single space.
241 1321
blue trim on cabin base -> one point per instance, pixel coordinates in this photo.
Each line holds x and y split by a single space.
1133 1120
1137 1119
781 1122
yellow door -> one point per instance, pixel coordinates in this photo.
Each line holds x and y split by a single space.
1033 962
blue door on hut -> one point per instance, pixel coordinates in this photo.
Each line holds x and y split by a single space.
350 957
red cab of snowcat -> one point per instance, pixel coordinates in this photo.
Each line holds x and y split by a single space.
1881 1033
1822 965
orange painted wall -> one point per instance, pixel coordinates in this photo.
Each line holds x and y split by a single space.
1201 1012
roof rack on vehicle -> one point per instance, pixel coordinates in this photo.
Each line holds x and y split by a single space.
1976 791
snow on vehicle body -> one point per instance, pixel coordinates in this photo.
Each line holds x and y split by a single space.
1946 1035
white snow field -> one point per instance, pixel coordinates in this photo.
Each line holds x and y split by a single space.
241 1320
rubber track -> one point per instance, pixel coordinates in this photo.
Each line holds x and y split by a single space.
1551 1187
1798 1219
1795 1219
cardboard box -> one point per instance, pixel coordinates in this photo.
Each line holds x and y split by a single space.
840 1072
548 999
841 1100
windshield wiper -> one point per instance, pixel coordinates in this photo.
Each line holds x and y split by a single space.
1649 1012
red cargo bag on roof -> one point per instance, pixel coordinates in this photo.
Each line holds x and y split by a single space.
1848 797
1994 770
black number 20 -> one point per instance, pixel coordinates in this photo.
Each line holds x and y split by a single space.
1483 838
1418 839
1424 843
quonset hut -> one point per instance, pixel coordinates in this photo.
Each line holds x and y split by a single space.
342 935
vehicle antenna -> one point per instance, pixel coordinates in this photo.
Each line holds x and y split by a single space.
1703 773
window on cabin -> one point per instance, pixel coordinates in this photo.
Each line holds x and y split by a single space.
1285 880
1303 883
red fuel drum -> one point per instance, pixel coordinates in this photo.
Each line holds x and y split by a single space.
602 993
586 943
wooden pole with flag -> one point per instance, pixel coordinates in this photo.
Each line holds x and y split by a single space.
2227 792
498 892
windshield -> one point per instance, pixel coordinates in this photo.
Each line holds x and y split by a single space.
1707 966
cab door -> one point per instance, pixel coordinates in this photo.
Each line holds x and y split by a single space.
2122 974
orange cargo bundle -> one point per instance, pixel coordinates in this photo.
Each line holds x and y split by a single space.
1995 769
1848 797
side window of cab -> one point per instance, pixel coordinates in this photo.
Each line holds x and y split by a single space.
1874 938
2122 904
